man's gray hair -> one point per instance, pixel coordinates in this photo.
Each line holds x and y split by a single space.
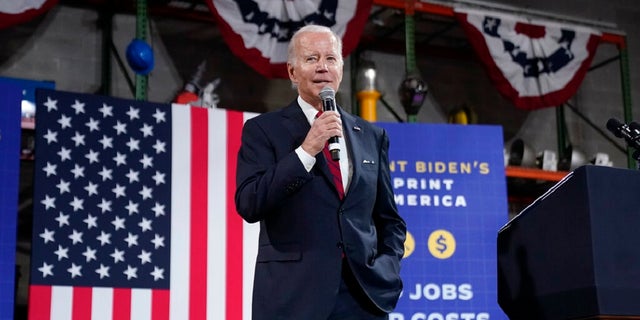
314 28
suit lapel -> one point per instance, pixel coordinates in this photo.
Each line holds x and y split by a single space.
352 130
295 121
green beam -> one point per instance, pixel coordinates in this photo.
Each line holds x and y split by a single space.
141 33
626 96
410 56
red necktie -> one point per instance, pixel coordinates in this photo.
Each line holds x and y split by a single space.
334 167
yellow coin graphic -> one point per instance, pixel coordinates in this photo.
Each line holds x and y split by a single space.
441 244
409 245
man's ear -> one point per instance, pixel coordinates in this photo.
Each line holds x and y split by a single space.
291 72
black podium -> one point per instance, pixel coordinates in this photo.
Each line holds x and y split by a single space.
575 252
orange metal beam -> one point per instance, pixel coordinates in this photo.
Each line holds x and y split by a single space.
446 11
616 39
530 173
418 6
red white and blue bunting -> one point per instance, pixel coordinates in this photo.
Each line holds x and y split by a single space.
18 11
534 64
258 31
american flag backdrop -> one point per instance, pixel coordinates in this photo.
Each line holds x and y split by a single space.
133 212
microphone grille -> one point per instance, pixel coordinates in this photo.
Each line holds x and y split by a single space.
327 93
614 126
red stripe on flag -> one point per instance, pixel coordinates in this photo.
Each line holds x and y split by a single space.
235 122
39 302
121 303
159 304
199 174
81 305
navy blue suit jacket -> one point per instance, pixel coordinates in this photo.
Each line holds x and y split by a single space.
304 225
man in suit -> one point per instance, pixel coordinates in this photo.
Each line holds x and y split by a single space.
328 249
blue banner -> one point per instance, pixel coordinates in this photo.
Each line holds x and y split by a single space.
28 88
10 99
450 187
17 102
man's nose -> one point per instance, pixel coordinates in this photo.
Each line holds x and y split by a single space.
322 66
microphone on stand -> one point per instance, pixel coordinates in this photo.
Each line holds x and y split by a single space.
630 133
634 127
328 97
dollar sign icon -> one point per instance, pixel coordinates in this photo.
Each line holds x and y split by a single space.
409 245
441 244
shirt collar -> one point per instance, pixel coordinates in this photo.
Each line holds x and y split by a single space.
308 110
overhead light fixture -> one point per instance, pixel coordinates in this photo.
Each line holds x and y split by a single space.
413 91
602 159
521 155
547 160
367 93
578 159
462 115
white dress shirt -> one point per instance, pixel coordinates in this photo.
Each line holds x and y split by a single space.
309 161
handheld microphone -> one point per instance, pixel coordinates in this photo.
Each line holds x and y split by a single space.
328 97
631 134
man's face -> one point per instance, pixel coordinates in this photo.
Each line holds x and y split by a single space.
317 64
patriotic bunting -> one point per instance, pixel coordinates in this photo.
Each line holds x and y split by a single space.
18 11
534 64
258 32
